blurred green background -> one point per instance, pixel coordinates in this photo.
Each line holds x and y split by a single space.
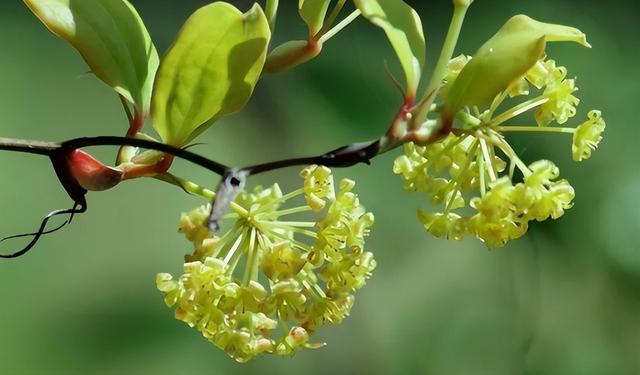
563 300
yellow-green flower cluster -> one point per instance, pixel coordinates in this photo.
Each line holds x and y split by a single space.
267 284
483 187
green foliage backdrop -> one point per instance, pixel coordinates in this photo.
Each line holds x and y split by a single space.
563 300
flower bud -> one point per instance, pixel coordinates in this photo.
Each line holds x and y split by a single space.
298 336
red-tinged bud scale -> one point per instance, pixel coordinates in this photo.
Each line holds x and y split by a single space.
90 173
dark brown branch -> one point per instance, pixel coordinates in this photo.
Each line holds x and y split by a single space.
29 147
342 157
54 148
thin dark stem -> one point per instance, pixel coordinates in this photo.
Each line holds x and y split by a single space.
342 157
274 165
54 148
29 147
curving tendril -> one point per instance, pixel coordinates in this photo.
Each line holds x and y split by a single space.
77 208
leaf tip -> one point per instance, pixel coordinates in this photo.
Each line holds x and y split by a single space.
254 14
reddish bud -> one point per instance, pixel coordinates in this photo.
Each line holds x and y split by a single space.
90 173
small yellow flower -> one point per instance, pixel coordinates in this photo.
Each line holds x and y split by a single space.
283 262
587 136
540 197
453 69
496 221
318 185
561 104
192 225
450 225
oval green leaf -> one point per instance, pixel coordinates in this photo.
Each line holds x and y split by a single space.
111 38
403 27
507 56
313 13
209 71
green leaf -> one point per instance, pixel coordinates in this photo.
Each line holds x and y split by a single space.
210 71
313 13
507 56
404 29
111 38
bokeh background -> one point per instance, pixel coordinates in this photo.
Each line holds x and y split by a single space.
565 299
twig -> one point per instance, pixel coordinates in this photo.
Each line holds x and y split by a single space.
54 148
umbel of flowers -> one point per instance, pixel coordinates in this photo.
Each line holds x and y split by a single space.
268 283
483 187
